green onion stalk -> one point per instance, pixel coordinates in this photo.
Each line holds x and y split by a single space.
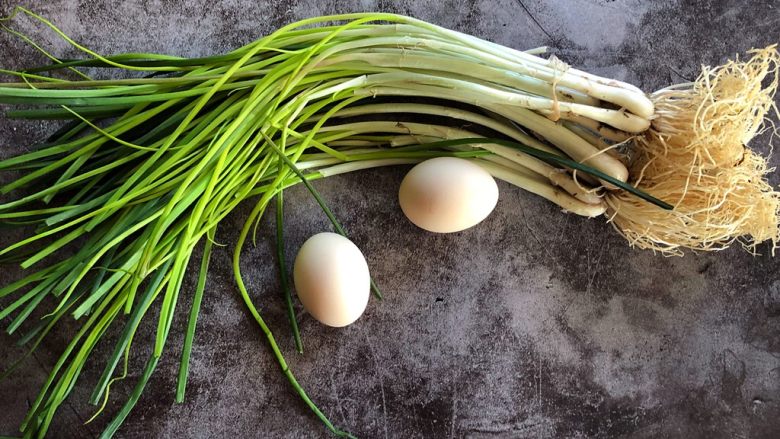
147 166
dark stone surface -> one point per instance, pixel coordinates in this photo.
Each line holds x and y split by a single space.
534 324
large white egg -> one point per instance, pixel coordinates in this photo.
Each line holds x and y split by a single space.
331 279
447 194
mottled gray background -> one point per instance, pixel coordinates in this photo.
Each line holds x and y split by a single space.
534 324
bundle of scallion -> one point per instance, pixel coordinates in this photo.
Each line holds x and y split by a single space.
147 167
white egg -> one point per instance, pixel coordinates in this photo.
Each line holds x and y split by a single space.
447 194
331 278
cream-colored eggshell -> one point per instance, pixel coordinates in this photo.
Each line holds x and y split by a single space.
331 278
447 194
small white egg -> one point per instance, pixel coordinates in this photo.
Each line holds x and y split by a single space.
447 194
331 278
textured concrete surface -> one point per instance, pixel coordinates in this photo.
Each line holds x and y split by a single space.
534 324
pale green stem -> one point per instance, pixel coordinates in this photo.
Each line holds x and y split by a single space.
545 190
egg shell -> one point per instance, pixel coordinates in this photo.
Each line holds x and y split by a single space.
332 279
447 194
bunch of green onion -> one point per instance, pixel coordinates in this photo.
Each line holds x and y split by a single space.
147 167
